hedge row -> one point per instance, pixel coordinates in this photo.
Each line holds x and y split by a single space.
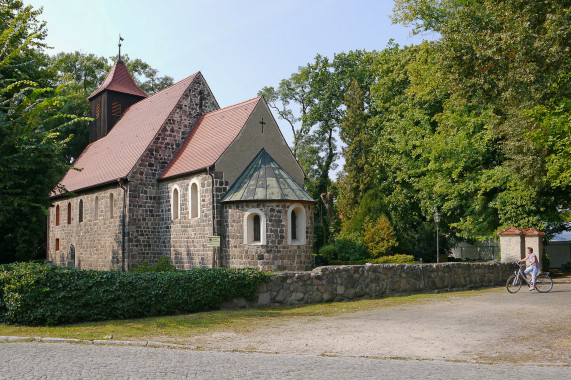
35 294
394 259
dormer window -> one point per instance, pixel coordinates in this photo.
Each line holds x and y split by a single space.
115 108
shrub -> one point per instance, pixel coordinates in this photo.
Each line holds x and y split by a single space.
33 294
395 259
350 247
545 262
379 236
163 265
329 252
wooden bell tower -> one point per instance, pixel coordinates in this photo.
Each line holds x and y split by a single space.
108 103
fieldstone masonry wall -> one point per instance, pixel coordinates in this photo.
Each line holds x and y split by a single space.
348 283
97 238
144 213
184 240
276 254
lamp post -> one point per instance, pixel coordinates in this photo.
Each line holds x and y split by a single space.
437 220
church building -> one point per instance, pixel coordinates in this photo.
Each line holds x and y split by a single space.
174 175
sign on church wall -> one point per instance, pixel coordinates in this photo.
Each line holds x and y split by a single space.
213 241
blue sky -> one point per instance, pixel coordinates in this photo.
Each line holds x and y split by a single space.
239 46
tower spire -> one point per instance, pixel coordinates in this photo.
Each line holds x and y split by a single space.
120 39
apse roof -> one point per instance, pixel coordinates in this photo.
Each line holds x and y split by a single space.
118 79
264 179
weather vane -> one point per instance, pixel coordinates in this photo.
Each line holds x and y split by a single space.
120 39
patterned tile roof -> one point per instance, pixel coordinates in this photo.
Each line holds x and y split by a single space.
510 231
114 156
118 79
533 232
264 179
209 138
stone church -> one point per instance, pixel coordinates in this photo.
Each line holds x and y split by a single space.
174 175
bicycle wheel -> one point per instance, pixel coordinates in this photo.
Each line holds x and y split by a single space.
513 284
543 283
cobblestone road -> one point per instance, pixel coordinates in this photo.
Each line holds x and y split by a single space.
32 360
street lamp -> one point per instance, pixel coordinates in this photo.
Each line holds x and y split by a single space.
437 220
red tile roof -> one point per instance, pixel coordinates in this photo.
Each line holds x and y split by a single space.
114 156
209 138
119 80
533 232
510 231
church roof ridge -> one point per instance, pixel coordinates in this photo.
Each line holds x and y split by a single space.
212 133
256 99
119 80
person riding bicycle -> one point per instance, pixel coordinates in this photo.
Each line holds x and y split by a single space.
533 267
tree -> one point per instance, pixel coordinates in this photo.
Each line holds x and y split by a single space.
379 237
291 90
30 138
500 156
312 102
357 153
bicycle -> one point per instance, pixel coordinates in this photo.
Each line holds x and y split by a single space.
543 283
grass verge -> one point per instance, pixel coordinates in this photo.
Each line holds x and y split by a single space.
173 329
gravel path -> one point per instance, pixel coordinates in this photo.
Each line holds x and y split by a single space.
493 327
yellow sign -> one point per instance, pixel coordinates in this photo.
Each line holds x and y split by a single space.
213 241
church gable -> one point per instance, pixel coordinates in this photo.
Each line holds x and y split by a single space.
259 132
195 101
116 155
209 138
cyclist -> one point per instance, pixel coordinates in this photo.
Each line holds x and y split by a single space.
533 267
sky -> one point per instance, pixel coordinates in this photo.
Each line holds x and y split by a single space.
239 46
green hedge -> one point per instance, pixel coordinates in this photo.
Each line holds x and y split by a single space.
34 294
394 259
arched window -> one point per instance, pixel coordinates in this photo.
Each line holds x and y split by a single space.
194 199
57 215
293 225
254 227
257 229
80 211
69 213
96 208
111 205
175 203
296 225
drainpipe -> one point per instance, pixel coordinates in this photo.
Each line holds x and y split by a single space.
213 215
48 236
123 218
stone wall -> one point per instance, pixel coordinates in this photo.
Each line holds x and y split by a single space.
347 283
144 212
97 238
276 254
184 240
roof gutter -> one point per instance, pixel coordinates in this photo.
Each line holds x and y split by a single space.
71 193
